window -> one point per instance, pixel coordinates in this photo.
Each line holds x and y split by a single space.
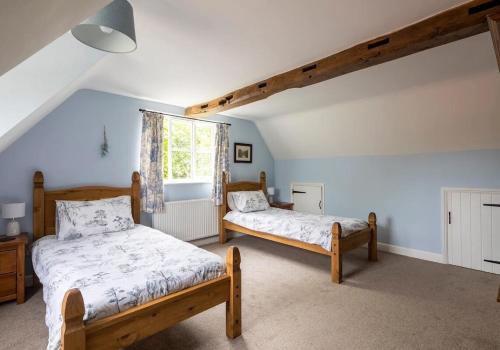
188 150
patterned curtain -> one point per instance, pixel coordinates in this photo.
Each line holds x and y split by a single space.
221 161
152 162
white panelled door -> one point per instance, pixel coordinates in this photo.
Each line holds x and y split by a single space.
473 228
307 198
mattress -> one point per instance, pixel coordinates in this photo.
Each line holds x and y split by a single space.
308 228
117 271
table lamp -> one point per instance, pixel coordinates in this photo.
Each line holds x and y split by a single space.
13 211
270 194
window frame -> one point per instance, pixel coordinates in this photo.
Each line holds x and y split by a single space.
193 179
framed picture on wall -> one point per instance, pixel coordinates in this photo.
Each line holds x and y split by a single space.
242 153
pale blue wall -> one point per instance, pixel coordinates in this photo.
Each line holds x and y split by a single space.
404 191
65 146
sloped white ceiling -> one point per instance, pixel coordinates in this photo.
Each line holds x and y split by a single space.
191 51
33 88
26 26
444 99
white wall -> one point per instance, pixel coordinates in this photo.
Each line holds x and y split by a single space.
443 99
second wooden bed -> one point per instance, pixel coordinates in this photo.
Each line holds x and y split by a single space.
340 245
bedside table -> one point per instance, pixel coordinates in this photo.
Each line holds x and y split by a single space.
12 255
282 205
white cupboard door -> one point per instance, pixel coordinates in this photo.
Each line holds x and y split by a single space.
455 247
495 231
307 198
465 235
473 229
486 231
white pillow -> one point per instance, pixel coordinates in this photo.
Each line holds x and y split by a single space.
76 219
248 201
230 202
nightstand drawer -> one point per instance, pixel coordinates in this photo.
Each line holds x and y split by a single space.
8 284
8 262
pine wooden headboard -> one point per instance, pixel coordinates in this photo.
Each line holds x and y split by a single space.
44 202
240 186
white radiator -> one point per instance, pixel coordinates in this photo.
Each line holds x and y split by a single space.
188 220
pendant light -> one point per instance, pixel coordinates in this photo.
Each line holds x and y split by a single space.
111 29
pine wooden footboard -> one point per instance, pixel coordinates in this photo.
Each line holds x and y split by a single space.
340 245
343 245
125 328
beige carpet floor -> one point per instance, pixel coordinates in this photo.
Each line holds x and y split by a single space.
290 303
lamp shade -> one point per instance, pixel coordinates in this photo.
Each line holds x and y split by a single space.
111 29
13 210
270 191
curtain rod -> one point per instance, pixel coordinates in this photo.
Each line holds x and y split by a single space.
183 117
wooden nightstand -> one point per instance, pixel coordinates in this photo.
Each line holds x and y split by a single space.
12 255
282 205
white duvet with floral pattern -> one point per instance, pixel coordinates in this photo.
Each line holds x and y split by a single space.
308 228
117 271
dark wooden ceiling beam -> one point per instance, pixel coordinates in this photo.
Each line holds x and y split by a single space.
454 24
494 25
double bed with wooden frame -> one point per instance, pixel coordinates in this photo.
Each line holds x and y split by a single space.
124 328
339 244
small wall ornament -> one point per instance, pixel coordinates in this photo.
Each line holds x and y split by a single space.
104 145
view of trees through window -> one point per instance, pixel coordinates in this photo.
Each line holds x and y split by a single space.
187 150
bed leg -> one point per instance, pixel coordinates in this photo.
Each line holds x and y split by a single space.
336 253
73 331
222 235
36 281
222 230
233 304
372 244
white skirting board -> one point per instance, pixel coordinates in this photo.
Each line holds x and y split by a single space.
412 253
383 247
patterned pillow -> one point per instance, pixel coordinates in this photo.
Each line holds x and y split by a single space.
230 201
248 201
76 219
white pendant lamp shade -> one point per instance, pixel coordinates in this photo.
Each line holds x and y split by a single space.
111 29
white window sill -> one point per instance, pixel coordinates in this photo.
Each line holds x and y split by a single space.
186 182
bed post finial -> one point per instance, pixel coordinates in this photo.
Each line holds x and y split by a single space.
336 253
136 197
136 177
38 205
263 181
73 331
233 305
372 243
38 179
